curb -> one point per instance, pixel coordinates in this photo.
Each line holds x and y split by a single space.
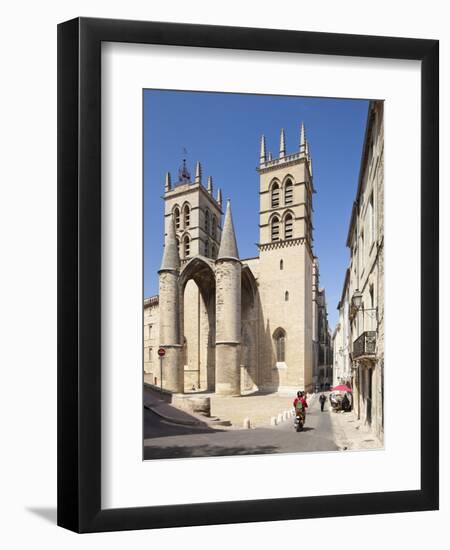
157 389
172 420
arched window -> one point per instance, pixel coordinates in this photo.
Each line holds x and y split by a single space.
176 217
207 249
186 246
288 227
187 216
178 245
288 192
214 227
213 252
207 221
280 345
275 195
275 229
281 264
286 296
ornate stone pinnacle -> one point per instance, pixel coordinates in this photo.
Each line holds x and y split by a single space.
282 144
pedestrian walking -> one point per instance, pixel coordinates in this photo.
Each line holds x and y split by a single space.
322 400
345 403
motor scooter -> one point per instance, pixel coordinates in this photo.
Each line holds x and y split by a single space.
299 421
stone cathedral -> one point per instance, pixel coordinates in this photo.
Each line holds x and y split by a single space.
234 325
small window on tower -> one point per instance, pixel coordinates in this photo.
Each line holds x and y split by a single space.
186 243
176 215
288 192
286 296
207 249
187 216
213 251
275 195
281 265
207 221
213 227
275 229
288 227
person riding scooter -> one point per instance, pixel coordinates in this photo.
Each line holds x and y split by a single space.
300 406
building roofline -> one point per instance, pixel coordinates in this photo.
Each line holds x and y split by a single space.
190 188
344 286
363 162
151 300
250 258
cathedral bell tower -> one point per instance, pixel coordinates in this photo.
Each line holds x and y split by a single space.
196 213
286 260
192 228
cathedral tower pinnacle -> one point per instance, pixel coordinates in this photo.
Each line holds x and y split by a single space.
198 172
282 144
168 184
262 154
228 246
171 258
302 138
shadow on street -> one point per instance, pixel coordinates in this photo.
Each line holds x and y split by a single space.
175 451
155 426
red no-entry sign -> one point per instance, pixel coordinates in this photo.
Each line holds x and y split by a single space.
161 352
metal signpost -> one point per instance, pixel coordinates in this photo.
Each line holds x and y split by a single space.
161 353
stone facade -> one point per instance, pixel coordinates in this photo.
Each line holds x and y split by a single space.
342 366
232 325
324 347
361 307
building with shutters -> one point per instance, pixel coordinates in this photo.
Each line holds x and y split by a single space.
359 341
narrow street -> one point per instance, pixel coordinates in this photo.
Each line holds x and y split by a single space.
164 439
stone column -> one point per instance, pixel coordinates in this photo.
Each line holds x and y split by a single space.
172 369
169 314
228 327
228 312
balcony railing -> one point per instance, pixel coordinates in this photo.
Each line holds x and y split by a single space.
365 344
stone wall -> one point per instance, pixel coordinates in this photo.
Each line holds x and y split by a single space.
151 338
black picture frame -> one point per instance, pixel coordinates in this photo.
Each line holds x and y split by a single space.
79 274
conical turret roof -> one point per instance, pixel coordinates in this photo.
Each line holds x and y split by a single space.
171 258
228 245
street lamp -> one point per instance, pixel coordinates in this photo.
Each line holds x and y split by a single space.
357 304
357 299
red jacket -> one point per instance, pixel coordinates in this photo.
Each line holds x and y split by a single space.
304 403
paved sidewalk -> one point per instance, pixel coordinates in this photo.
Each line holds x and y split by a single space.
258 408
350 434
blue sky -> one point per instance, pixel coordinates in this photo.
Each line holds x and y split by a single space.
223 131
